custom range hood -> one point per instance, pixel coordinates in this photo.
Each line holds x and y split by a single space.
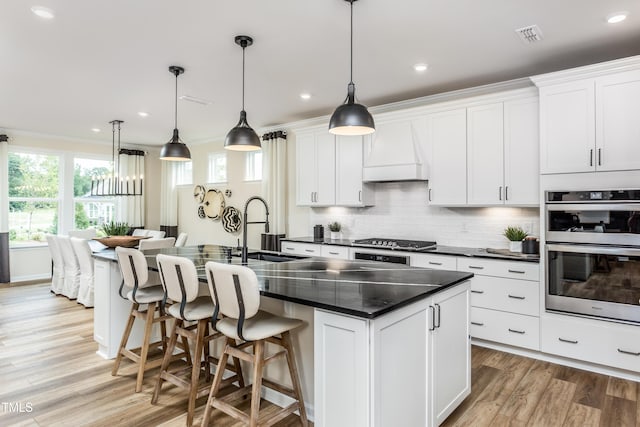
397 153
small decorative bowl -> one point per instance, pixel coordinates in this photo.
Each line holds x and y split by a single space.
124 241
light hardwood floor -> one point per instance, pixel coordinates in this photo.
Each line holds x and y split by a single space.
48 362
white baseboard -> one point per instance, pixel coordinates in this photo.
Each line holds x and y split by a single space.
559 360
283 400
30 278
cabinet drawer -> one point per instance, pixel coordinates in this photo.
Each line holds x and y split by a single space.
437 262
297 248
498 293
607 343
505 328
500 268
334 251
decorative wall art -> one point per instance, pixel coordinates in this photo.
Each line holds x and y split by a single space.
212 205
231 219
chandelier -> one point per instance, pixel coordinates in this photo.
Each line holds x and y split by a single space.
115 184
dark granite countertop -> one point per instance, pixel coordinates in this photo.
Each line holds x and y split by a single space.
360 288
440 249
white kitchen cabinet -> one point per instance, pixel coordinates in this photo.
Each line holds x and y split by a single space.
315 169
588 124
334 251
610 344
350 190
617 124
410 367
502 153
505 301
436 262
299 248
447 137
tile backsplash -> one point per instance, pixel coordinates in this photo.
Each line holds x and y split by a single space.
402 211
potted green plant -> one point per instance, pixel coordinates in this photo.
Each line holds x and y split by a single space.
334 228
515 235
114 228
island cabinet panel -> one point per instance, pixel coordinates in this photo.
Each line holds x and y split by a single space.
304 249
410 367
341 365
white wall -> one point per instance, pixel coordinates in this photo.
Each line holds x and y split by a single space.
402 211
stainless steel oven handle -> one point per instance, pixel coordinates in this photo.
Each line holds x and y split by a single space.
593 249
593 206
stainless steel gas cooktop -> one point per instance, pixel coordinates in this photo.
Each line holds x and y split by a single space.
397 244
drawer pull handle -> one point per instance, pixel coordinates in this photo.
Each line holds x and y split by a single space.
475 267
568 341
515 331
632 353
516 297
477 323
516 271
289 249
476 292
435 263
309 250
334 253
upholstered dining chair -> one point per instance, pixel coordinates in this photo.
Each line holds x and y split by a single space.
236 295
85 262
71 282
57 271
193 319
165 242
181 240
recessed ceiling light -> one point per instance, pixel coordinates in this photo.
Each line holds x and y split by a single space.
143 114
420 68
96 130
43 12
616 17
305 96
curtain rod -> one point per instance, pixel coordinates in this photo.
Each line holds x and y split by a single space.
273 135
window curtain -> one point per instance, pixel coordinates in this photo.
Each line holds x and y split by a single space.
131 164
274 179
168 199
5 276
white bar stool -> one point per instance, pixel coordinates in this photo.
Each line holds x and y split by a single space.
135 275
235 292
180 280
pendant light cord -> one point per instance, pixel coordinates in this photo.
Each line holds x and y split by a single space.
351 77
176 105
244 46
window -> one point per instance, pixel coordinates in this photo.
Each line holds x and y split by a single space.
33 197
253 166
217 167
90 211
183 173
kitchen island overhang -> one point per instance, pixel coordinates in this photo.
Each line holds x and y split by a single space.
389 339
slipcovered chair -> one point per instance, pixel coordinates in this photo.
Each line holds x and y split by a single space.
57 273
166 242
88 233
85 261
140 232
71 268
236 295
193 319
134 269
156 234
181 240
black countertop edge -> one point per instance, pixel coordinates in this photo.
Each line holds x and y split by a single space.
439 250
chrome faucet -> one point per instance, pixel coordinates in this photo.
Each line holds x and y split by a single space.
245 251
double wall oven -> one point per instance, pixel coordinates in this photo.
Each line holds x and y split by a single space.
593 253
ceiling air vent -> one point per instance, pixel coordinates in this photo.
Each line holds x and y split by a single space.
530 34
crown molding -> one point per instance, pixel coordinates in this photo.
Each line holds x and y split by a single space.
587 71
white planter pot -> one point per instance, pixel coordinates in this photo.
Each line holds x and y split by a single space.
335 235
515 246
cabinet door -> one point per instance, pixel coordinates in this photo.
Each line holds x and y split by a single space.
450 352
349 171
325 165
521 152
485 177
306 174
617 124
567 127
447 136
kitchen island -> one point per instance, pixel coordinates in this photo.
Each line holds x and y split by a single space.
390 343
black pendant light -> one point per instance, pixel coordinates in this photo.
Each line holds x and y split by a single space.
175 149
351 118
242 137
